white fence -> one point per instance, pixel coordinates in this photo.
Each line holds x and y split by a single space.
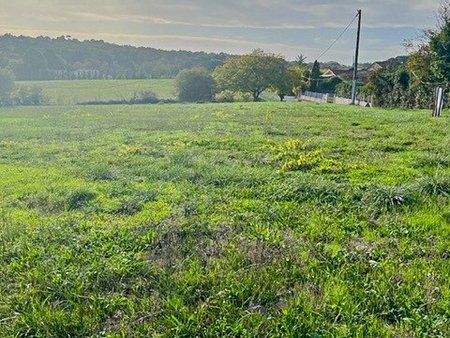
314 97
342 100
331 98
290 98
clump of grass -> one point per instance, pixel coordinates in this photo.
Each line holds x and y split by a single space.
307 188
78 199
305 161
386 197
446 216
129 207
435 185
101 173
391 148
183 158
57 202
296 155
432 160
331 166
276 132
119 189
7 144
38 200
290 148
135 203
130 150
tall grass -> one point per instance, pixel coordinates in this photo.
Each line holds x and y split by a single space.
223 220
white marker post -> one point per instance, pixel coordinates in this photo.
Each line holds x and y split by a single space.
439 102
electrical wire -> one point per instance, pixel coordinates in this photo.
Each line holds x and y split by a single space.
337 39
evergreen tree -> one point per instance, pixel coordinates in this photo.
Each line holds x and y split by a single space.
315 77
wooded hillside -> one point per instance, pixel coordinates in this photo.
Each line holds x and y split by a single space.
45 58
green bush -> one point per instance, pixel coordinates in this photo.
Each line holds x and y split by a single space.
195 85
225 96
147 96
29 96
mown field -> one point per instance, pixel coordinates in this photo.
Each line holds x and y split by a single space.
73 92
224 220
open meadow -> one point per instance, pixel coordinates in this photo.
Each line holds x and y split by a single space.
70 92
223 220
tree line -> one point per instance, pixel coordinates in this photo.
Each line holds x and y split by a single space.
412 84
45 58
246 75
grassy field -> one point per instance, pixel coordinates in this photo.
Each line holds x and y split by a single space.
224 220
72 92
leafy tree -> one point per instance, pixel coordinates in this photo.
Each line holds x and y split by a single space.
344 89
329 85
6 86
252 73
300 74
428 66
315 76
195 85
439 46
390 87
292 79
429 61
283 84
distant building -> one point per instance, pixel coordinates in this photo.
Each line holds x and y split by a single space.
345 74
363 74
382 65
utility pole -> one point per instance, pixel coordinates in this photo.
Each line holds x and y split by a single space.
355 67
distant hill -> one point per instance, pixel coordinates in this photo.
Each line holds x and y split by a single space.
45 58
65 58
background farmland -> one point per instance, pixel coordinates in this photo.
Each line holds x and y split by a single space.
71 92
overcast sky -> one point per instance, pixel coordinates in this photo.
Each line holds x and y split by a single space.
287 27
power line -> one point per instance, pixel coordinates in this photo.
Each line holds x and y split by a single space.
337 39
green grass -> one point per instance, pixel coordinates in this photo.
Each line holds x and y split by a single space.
224 220
77 91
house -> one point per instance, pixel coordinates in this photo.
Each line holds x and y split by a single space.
382 65
342 73
346 74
